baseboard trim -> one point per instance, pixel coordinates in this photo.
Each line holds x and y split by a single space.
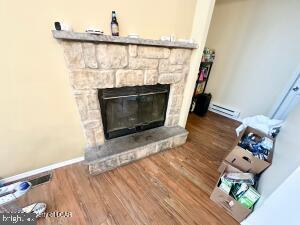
41 170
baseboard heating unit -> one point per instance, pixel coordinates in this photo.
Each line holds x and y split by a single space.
224 111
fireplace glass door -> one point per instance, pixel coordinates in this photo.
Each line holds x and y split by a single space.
133 109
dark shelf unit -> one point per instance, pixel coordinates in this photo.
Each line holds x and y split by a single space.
201 84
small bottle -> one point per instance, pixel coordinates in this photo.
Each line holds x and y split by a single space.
114 25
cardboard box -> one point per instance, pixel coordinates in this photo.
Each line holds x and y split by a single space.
244 160
232 207
223 166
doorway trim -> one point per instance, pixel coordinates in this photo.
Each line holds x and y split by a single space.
285 92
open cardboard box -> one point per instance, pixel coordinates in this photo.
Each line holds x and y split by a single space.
224 200
244 160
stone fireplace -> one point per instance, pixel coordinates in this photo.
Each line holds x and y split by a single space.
129 94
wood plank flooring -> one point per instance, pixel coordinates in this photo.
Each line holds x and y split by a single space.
168 188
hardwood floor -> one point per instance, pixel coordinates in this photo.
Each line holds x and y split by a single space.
168 188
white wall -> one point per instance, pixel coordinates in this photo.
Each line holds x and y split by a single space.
39 121
257 52
277 185
282 208
286 156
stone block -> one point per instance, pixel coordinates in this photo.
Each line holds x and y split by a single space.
175 110
177 77
127 157
165 78
153 149
178 88
93 169
80 79
132 50
169 120
103 166
175 120
90 138
92 124
88 79
186 70
166 67
99 136
73 54
176 101
179 140
110 163
172 120
103 79
153 52
146 151
163 145
180 56
92 101
111 56
94 114
170 78
142 63
129 78
89 55
81 102
151 77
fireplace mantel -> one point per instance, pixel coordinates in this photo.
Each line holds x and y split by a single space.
75 36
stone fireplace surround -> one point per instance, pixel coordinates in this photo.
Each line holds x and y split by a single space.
99 62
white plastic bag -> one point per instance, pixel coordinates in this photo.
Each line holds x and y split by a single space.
261 123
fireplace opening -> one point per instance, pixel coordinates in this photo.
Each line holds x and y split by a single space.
128 110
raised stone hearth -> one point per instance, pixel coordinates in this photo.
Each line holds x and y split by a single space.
123 150
100 62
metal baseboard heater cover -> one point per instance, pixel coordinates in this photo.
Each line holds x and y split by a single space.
224 110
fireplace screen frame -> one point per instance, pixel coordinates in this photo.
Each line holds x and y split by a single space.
104 95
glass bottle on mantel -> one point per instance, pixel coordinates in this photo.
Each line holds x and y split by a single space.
114 24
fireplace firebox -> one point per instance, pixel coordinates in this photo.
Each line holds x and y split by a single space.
128 110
